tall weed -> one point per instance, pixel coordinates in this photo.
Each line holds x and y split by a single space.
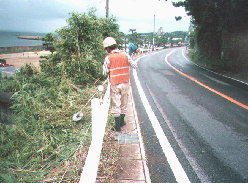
42 134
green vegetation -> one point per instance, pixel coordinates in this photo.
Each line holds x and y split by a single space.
162 39
42 135
18 49
220 33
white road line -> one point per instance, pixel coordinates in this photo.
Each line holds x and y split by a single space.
192 161
169 153
183 53
142 148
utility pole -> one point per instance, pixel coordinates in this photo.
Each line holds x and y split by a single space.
107 8
153 35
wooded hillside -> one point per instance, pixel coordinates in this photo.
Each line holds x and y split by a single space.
220 34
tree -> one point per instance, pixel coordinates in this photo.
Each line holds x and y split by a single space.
135 37
161 40
80 52
178 18
219 29
49 39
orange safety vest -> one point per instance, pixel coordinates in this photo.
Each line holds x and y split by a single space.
119 68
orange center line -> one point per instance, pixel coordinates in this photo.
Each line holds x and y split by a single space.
205 86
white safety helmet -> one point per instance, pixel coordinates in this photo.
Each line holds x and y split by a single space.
109 41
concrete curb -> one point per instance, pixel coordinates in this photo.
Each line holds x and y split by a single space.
133 158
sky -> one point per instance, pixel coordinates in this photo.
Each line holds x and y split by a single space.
48 15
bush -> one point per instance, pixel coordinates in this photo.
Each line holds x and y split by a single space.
42 134
80 54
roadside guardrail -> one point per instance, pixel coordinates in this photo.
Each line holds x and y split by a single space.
143 50
99 112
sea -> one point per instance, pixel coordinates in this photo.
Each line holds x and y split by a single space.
10 39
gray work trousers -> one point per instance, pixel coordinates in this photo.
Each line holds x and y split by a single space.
119 96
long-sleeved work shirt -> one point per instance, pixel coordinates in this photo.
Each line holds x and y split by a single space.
106 65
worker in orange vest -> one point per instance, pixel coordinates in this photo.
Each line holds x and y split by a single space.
116 66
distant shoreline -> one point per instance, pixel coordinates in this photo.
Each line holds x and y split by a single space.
15 38
16 49
30 37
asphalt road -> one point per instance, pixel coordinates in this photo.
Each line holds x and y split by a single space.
194 122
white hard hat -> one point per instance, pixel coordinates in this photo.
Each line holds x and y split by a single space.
109 41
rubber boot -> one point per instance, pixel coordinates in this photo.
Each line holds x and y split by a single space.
123 123
117 124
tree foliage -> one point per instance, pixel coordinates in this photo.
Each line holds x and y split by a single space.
79 51
49 40
145 39
220 30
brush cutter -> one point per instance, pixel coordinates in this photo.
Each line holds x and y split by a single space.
79 115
